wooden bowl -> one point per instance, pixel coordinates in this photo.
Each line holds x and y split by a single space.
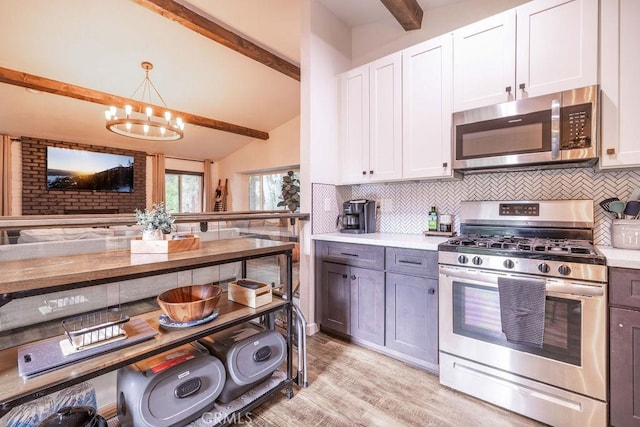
190 303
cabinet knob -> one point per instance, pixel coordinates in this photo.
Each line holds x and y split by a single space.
521 86
370 172
344 276
445 164
507 89
611 151
353 277
431 291
364 172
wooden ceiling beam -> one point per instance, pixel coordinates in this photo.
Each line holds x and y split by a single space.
198 23
407 12
30 81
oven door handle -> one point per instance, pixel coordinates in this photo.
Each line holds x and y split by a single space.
557 286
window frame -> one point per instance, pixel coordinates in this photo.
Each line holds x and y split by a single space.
262 174
179 173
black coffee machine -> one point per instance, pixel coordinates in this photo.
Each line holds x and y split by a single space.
358 216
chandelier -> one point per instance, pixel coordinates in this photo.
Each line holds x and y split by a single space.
134 124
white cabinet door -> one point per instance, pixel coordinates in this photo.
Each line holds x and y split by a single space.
619 65
557 46
354 125
484 62
426 139
385 110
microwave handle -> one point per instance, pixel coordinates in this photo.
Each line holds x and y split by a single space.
555 129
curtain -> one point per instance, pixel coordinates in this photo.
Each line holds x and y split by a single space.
157 190
207 191
5 175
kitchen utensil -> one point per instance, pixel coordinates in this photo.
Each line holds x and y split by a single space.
605 204
632 208
617 207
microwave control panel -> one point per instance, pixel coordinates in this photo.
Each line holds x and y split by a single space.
576 126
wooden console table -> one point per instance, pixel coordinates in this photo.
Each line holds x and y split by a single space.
38 276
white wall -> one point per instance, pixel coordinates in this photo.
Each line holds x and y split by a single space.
376 40
280 151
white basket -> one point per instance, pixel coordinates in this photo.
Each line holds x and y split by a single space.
625 233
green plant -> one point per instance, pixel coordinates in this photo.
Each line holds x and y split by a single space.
290 192
155 219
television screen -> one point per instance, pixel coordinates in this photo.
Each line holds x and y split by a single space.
69 169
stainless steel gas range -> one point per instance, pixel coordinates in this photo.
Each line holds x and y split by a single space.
523 318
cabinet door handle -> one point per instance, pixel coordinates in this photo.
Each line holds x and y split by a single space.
370 172
404 261
611 151
353 277
507 89
344 276
522 86
431 291
348 254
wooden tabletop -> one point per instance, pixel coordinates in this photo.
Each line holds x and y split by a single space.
15 389
31 275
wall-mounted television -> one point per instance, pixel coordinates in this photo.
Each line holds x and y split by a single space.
70 169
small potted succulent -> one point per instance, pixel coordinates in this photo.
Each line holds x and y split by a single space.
155 222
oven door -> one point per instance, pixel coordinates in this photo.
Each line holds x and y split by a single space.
573 355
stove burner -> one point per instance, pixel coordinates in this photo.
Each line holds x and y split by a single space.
524 244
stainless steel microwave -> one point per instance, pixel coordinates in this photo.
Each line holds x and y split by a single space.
544 130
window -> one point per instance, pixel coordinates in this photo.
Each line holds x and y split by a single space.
265 190
183 191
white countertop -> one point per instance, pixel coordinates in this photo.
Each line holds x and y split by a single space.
411 241
627 258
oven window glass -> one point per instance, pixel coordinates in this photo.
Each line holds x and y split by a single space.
476 314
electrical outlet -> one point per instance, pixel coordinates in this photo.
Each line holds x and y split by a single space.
327 205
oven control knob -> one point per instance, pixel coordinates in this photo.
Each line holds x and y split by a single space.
508 263
462 259
544 268
565 270
476 260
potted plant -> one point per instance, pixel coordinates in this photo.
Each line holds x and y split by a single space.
290 193
154 222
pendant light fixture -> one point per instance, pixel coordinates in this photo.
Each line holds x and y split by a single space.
143 124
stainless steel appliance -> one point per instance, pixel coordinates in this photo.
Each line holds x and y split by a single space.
546 244
358 216
552 129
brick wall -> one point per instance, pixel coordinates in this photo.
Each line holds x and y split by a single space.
37 200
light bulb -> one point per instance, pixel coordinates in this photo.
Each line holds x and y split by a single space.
107 114
128 125
128 109
113 110
145 128
180 123
167 116
149 111
162 130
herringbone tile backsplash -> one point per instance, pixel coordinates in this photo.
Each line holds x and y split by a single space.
410 201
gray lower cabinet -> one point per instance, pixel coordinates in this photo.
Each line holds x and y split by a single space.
412 316
624 347
382 296
367 305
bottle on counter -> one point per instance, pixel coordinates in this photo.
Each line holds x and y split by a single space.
432 219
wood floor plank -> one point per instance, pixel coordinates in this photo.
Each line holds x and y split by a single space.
354 386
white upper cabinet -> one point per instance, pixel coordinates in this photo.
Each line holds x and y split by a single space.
556 45
620 84
427 100
484 58
371 122
555 48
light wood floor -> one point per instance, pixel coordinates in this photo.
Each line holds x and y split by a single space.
353 386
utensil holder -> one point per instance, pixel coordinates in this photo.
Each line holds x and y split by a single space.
625 234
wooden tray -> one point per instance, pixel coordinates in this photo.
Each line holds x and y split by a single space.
139 246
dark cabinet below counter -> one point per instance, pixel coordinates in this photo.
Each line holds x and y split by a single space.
385 298
624 347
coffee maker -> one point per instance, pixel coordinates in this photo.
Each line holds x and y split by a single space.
358 216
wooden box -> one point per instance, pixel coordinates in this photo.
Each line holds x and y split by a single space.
246 295
185 243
